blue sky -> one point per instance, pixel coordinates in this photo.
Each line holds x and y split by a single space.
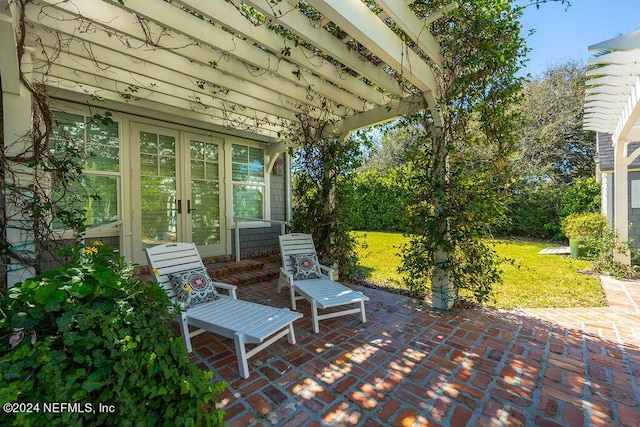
566 34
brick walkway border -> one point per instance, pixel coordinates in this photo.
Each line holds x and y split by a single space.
411 365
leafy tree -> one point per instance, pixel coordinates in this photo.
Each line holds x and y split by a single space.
554 145
380 199
555 161
583 196
388 151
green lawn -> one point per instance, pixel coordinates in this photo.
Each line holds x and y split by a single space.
532 280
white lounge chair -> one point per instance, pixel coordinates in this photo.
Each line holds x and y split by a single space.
245 322
322 292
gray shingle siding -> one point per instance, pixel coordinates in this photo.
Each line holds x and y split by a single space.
606 153
606 159
51 259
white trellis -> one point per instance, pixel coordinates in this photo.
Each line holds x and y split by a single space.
612 106
211 63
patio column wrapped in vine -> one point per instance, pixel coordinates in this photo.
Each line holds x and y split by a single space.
324 165
461 170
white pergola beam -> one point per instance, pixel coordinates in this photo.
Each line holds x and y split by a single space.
601 104
616 58
175 109
189 72
126 24
630 114
609 80
155 78
604 97
613 106
607 89
299 24
413 27
204 54
111 54
8 60
156 101
614 70
357 19
225 14
439 13
408 105
206 34
174 97
625 42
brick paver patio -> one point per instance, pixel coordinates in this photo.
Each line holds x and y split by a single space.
410 365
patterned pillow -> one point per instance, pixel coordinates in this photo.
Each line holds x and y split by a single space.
305 266
193 287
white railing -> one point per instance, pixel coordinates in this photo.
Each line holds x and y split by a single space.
238 219
83 235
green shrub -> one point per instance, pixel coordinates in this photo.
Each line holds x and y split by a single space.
599 243
585 226
87 334
533 211
538 208
380 200
583 195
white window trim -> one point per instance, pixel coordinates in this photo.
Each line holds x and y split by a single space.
229 187
67 234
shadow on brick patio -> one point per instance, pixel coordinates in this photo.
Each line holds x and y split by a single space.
410 365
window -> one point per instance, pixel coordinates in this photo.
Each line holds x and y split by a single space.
248 179
99 144
158 185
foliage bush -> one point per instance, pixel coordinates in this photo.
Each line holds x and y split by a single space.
538 208
583 195
533 211
380 200
603 249
601 243
87 333
585 226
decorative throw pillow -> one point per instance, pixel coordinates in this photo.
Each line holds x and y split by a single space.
193 287
305 266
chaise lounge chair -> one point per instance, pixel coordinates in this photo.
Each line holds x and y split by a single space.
313 281
179 269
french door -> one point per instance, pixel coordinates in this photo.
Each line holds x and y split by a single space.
178 195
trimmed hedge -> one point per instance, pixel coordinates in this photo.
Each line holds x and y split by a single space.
536 209
380 200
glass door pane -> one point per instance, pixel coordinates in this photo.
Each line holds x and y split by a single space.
158 189
204 158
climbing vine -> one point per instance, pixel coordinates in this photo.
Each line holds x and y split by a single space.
325 164
461 169
41 175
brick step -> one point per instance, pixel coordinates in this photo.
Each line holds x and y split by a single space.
248 277
261 267
228 267
269 255
270 259
237 277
